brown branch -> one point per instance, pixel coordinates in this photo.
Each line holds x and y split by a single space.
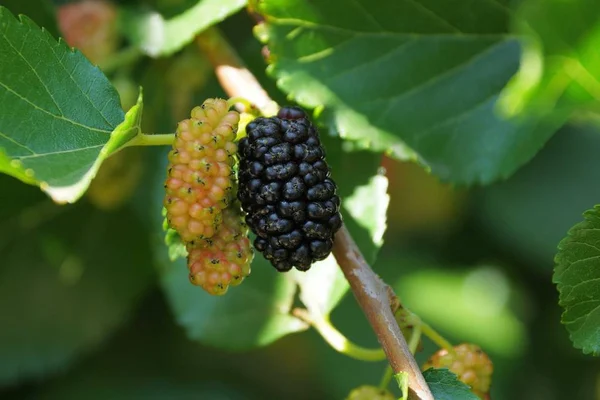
372 294
234 77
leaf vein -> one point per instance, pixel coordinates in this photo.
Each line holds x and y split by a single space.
375 60
583 282
584 316
433 14
34 71
433 80
383 34
53 115
586 244
368 14
17 143
61 152
420 135
86 95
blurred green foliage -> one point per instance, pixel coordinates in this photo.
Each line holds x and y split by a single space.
78 292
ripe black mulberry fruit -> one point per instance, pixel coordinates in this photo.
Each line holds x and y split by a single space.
223 260
201 174
472 366
286 190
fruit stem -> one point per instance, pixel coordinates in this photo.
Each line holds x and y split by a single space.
336 339
248 107
159 139
436 337
235 78
413 343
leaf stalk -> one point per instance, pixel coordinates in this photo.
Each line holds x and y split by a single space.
159 139
336 339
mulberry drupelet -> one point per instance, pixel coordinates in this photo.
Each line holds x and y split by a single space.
286 190
223 260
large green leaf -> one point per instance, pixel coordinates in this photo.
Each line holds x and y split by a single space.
560 66
255 313
157 36
418 79
577 276
445 385
364 204
60 115
69 276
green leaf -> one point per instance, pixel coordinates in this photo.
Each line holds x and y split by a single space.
14 168
418 79
322 288
174 244
61 117
123 133
577 276
69 276
255 313
445 385
368 206
158 37
560 64
364 204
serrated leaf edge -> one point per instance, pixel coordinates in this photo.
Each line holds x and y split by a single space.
559 269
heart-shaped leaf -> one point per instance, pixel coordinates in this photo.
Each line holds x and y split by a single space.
60 115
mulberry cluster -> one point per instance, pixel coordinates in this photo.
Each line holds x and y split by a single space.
472 366
286 190
223 260
200 172
200 202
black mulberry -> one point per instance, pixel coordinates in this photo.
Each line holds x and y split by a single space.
286 190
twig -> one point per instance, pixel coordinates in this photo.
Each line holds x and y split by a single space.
373 297
372 294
